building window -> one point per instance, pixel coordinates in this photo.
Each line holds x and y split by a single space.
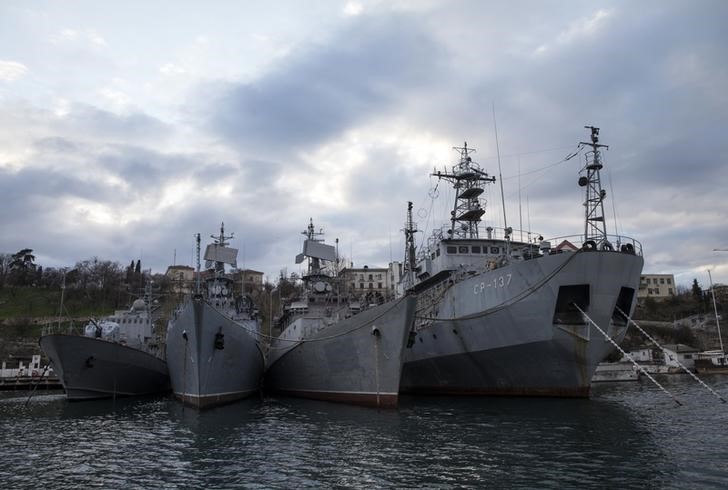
452 250
361 285
371 286
379 285
370 277
379 276
669 290
669 280
353 285
662 280
437 252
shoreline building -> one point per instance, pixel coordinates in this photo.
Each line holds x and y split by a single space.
656 286
182 278
372 284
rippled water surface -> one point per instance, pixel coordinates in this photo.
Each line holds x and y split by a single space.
627 435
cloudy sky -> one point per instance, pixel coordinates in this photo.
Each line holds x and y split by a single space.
125 130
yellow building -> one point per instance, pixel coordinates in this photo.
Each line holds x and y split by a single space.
182 278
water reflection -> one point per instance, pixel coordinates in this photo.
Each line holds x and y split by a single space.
626 435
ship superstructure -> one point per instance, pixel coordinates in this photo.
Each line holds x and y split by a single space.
497 315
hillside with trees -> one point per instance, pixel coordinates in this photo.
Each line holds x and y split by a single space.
30 295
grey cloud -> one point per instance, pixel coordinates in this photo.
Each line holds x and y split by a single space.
87 120
319 92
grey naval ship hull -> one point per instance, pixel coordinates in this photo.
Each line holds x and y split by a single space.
91 368
508 331
357 360
202 374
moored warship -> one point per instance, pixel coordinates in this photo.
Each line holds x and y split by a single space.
499 316
331 347
117 356
213 350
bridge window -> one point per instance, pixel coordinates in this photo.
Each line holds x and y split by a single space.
475 249
452 250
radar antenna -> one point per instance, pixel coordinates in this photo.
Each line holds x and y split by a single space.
222 239
315 250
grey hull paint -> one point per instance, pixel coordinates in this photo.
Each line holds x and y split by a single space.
91 368
346 362
494 332
203 375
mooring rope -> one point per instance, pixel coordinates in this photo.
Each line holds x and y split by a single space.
665 352
516 299
42 375
642 370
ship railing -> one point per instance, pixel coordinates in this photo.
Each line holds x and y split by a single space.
525 236
487 233
616 243
67 326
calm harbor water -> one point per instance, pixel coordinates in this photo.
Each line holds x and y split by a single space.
627 435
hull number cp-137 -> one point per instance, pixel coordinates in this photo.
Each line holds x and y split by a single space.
497 282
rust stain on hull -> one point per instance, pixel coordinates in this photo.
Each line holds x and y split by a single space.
211 400
363 399
578 392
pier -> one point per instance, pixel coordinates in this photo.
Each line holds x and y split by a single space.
28 377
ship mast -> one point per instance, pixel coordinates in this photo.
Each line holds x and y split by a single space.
410 228
221 241
197 275
314 264
595 228
468 180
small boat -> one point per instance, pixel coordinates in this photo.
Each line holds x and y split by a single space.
615 371
117 356
213 350
711 362
333 348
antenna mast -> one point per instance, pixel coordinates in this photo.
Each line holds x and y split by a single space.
197 278
221 241
500 175
410 228
594 224
314 265
715 310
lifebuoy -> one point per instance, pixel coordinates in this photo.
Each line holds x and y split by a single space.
590 245
627 248
607 247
